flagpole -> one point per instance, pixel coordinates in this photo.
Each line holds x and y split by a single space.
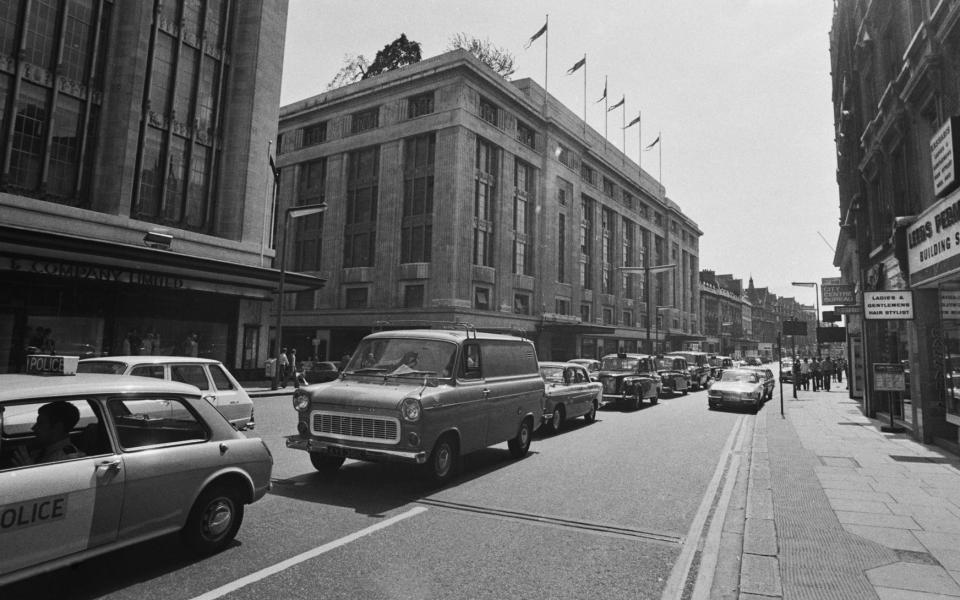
640 142
584 93
546 62
623 120
660 157
605 117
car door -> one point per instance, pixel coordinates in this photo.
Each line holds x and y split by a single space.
56 509
583 398
230 399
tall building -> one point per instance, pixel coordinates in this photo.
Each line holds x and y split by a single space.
456 195
134 177
895 68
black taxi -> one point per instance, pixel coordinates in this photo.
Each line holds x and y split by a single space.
629 379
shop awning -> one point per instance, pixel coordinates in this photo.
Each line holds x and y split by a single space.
60 255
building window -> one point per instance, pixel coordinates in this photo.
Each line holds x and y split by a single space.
485 178
606 250
40 43
356 297
565 156
562 306
314 134
76 40
521 304
585 313
161 75
365 120
308 233
359 238
416 228
608 188
481 298
642 210
524 201
526 135
626 318
421 104
586 240
413 296
627 254
489 111
29 131
64 150
588 174
607 316
561 247
658 219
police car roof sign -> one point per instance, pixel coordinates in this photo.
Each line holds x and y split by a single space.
45 364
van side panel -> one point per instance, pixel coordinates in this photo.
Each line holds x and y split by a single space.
515 386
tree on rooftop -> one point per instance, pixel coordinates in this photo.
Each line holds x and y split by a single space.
398 53
352 71
494 57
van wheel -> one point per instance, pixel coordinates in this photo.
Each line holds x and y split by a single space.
214 519
591 415
326 464
521 444
556 422
655 399
443 460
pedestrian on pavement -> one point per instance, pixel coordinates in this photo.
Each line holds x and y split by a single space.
283 364
805 374
796 375
841 366
827 368
815 373
292 369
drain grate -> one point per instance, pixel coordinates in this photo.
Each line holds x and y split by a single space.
850 423
939 460
838 461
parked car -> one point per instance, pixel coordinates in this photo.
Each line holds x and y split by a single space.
320 371
752 361
674 376
592 366
718 364
736 388
148 457
215 382
768 380
424 397
569 394
629 379
786 370
697 367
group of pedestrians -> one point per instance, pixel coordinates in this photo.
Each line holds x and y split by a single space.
813 372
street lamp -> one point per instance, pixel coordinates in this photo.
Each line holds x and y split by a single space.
646 286
294 212
816 299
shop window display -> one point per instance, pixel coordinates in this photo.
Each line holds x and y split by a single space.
949 347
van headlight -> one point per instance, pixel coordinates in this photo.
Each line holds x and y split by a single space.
301 400
410 409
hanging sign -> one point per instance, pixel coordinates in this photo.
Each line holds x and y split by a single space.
943 156
893 304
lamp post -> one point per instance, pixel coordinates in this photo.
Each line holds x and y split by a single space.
294 212
646 286
816 299
659 345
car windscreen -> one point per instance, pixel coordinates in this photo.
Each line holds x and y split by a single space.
745 376
664 364
103 367
396 356
615 363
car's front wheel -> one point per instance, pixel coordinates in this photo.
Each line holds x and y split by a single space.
520 444
325 463
556 421
214 519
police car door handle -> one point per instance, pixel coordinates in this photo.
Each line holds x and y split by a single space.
109 465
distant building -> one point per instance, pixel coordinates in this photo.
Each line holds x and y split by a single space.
896 108
456 195
134 180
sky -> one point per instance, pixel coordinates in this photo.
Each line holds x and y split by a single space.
739 91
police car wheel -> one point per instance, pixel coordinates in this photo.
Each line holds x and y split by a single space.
324 463
521 443
214 519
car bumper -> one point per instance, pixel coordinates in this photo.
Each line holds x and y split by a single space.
297 442
717 402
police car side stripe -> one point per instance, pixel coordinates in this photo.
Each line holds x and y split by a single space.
290 562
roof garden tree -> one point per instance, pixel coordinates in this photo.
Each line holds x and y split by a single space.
398 53
489 54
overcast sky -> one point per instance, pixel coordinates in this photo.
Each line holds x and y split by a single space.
740 90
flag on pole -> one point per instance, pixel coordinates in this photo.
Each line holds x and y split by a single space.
631 123
274 170
576 66
534 37
653 143
618 104
604 96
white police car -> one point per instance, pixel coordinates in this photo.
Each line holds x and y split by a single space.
124 459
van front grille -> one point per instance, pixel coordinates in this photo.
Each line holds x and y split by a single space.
355 427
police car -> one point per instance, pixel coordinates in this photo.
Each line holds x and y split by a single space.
92 463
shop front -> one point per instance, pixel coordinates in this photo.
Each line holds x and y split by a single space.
75 296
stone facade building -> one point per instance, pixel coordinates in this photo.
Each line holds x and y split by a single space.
456 195
134 179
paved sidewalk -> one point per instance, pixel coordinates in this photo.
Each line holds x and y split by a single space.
831 507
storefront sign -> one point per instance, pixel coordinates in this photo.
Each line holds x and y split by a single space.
933 241
889 377
90 272
837 293
943 156
848 310
950 304
896 304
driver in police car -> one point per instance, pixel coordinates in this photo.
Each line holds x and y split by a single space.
54 423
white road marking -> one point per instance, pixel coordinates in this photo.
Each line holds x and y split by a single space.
293 561
678 576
